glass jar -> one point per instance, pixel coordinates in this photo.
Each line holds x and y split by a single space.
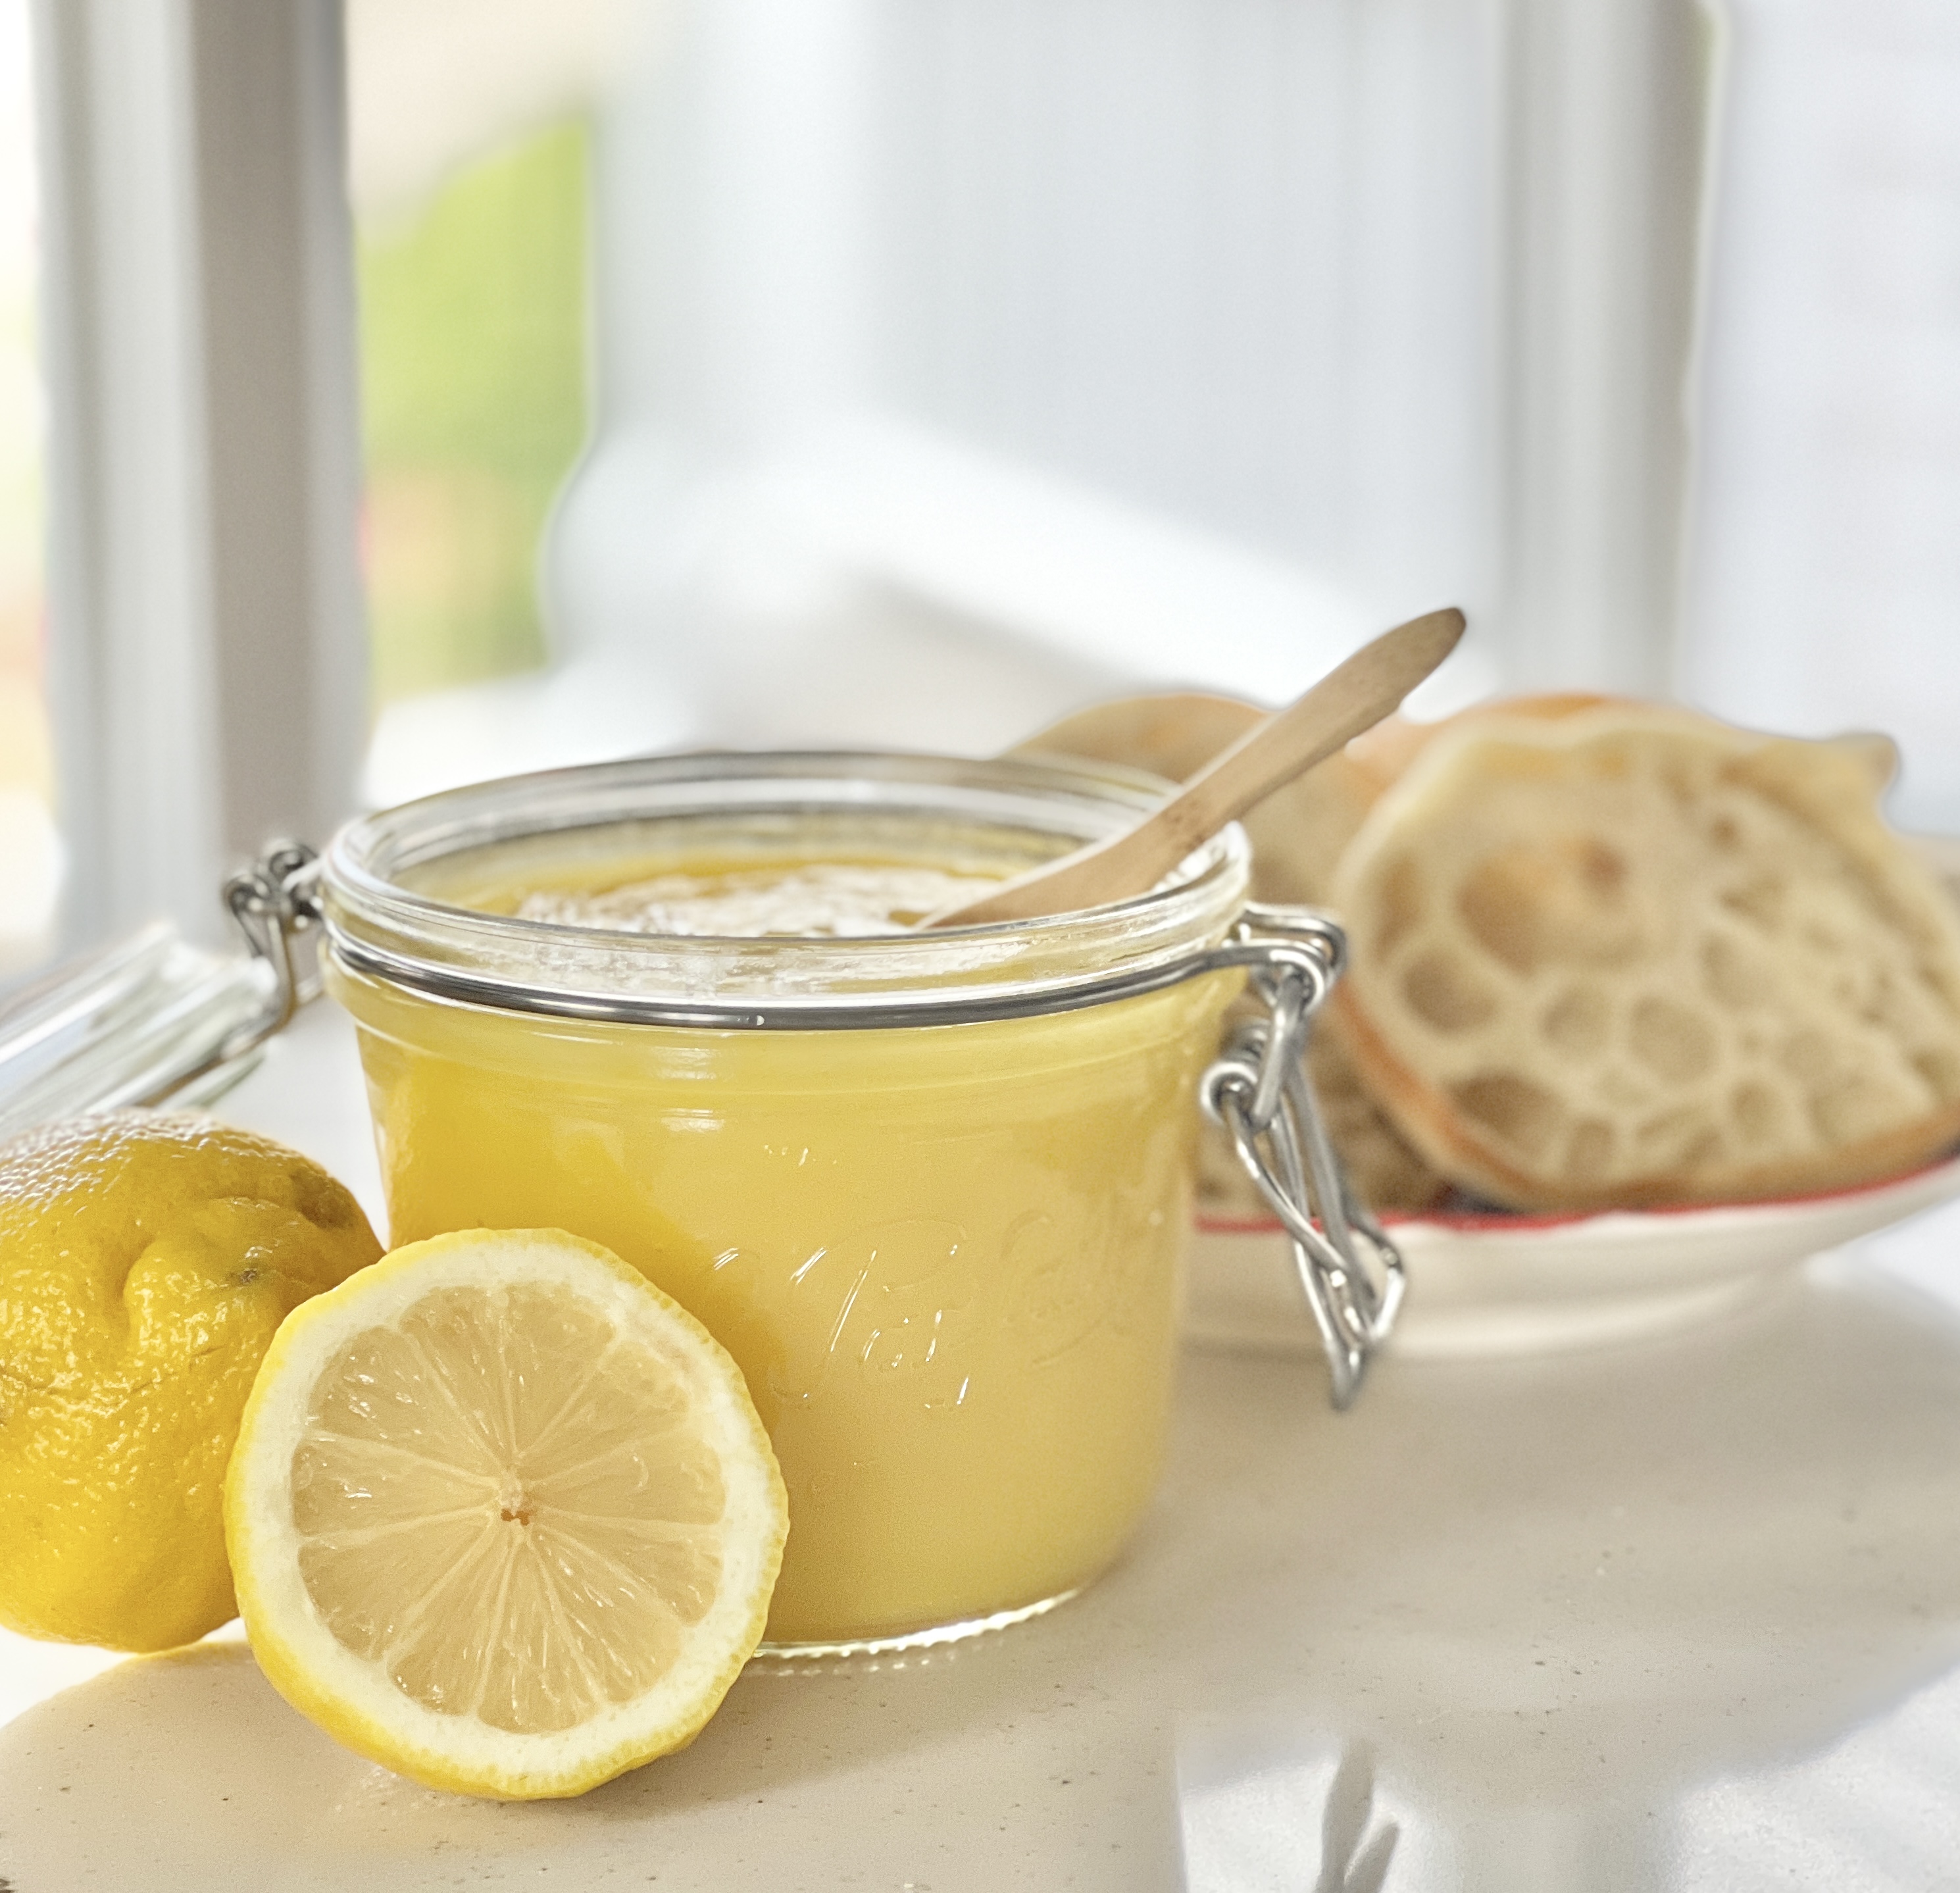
930 1189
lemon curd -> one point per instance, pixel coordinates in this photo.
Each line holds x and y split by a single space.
942 1244
780 898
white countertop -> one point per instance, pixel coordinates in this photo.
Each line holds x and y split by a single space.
1679 1614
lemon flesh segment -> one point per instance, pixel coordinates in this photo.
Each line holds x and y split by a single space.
502 1517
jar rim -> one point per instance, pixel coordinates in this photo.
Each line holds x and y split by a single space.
401 935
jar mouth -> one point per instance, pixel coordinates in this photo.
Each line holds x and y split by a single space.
394 888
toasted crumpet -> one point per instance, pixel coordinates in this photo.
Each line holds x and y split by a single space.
1387 750
1631 955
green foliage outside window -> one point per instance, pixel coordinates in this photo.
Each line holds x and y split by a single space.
474 392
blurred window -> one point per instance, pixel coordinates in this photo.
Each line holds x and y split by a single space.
1824 590
472 333
950 361
30 852
958 360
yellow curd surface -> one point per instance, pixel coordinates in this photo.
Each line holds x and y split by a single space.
945 1257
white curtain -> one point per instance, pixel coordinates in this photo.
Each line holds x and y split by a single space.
1823 589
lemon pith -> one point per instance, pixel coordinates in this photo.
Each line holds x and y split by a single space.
502 1517
146 1260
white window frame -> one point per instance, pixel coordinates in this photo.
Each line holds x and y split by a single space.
207 656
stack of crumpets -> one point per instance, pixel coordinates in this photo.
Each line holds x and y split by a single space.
1604 953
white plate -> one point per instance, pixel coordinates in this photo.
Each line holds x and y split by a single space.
1504 1284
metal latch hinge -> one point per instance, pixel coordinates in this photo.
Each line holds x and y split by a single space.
1258 1091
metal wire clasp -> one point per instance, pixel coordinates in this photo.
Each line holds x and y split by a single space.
1258 1091
273 901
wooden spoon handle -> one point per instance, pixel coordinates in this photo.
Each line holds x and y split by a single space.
1354 696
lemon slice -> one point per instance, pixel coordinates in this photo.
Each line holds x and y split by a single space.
501 1515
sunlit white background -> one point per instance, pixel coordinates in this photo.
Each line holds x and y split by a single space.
954 363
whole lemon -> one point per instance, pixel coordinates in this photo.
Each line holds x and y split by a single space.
145 1262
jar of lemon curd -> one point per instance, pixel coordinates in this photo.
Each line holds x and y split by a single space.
931 1189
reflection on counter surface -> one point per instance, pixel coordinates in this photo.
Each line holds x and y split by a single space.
1679 1614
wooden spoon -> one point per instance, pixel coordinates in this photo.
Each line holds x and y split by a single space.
1354 696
